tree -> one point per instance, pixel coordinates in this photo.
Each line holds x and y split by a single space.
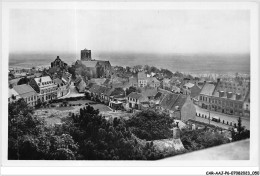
30 139
241 132
130 89
23 80
150 125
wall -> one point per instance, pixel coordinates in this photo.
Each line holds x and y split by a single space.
188 110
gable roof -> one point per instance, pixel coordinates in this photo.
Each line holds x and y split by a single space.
135 95
57 81
208 89
149 92
195 91
45 79
90 63
153 79
172 101
24 90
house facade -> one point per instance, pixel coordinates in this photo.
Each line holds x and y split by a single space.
45 88
26 92
178 106
225 97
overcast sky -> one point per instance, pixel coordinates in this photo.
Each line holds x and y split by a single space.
149 31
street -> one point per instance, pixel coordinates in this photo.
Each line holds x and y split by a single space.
225 117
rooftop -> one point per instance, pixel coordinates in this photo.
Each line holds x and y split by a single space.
24 90
208 89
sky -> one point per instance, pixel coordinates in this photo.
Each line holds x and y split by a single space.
146 31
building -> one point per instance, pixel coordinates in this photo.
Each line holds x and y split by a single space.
59 63
153 82
135 100
166 84
191 89
85 55
246 106
62 87
45 88
12 96
178 106
97 68
227 97
26 92
80 85
144 81
133 81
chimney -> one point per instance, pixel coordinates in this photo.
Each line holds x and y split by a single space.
229 94
221 93
238 96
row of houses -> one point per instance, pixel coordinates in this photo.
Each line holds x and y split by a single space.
176 105
226 97
41 89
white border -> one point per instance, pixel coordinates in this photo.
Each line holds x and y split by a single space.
254 141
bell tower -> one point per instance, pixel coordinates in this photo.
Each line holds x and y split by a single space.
85 55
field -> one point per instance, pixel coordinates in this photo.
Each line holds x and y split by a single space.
53 115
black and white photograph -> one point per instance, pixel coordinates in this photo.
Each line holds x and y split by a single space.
110 82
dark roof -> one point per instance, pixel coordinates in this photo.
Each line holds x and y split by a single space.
195 91
158 95
171 101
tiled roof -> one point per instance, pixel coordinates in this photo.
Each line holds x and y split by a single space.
135 95
153 79
208 89
45 80
89 63
98 89
149 92
241 88
171 101
195 91
24 90
158 95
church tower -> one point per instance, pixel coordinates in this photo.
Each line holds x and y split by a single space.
85 55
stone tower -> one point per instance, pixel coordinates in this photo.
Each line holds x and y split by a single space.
85 55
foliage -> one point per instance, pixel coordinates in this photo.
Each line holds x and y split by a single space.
29 138
100 139
200 139
87 95
151 125
130 90
241 132
23 80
